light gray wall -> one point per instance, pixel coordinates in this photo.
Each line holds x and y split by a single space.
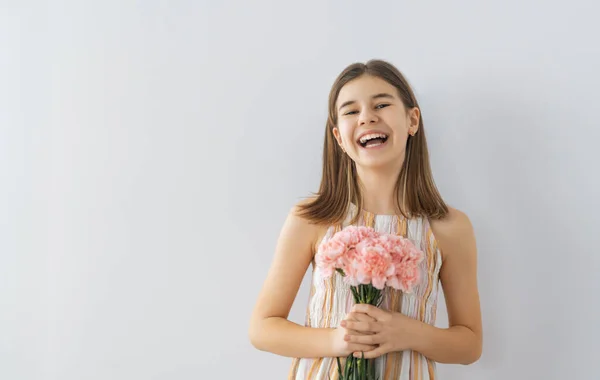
141 199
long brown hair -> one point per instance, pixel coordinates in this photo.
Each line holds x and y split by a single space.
417 194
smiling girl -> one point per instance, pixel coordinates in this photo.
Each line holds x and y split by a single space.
376 173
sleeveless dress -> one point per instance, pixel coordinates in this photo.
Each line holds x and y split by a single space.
331 299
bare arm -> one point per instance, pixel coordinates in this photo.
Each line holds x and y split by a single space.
270 330
461 342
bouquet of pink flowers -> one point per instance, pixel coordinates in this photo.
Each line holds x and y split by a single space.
369 261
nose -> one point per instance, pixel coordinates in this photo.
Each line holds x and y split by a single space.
367 117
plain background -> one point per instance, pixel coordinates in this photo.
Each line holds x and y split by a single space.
150 152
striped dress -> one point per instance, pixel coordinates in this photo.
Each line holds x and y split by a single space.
330 300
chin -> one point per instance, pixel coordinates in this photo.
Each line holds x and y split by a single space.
375 163
393 162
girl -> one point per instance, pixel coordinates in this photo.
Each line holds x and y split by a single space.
375 173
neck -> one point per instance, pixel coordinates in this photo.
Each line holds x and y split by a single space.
378 189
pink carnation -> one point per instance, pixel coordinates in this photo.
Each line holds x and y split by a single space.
339 251
352 235
330 256
405 276
349 268
368 257
406 258
372 264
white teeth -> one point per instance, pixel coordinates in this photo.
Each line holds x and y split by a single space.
368 137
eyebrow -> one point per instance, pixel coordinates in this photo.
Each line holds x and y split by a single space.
376 96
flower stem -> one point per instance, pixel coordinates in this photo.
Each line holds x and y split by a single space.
361 368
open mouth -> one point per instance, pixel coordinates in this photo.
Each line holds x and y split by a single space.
372 140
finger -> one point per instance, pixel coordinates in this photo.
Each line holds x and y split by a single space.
371 339
361 348
371 354
354 332
365 327
362 317
370 310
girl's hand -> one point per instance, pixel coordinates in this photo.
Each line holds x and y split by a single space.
342 347
388 331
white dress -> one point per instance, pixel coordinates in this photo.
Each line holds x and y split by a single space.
331 299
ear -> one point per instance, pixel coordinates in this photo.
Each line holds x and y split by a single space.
338 137
414 115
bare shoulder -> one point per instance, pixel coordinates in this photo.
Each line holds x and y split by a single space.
453 232
456 221
314 231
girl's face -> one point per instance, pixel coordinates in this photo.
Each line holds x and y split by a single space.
373 124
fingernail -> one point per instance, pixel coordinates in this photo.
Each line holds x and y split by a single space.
343 324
